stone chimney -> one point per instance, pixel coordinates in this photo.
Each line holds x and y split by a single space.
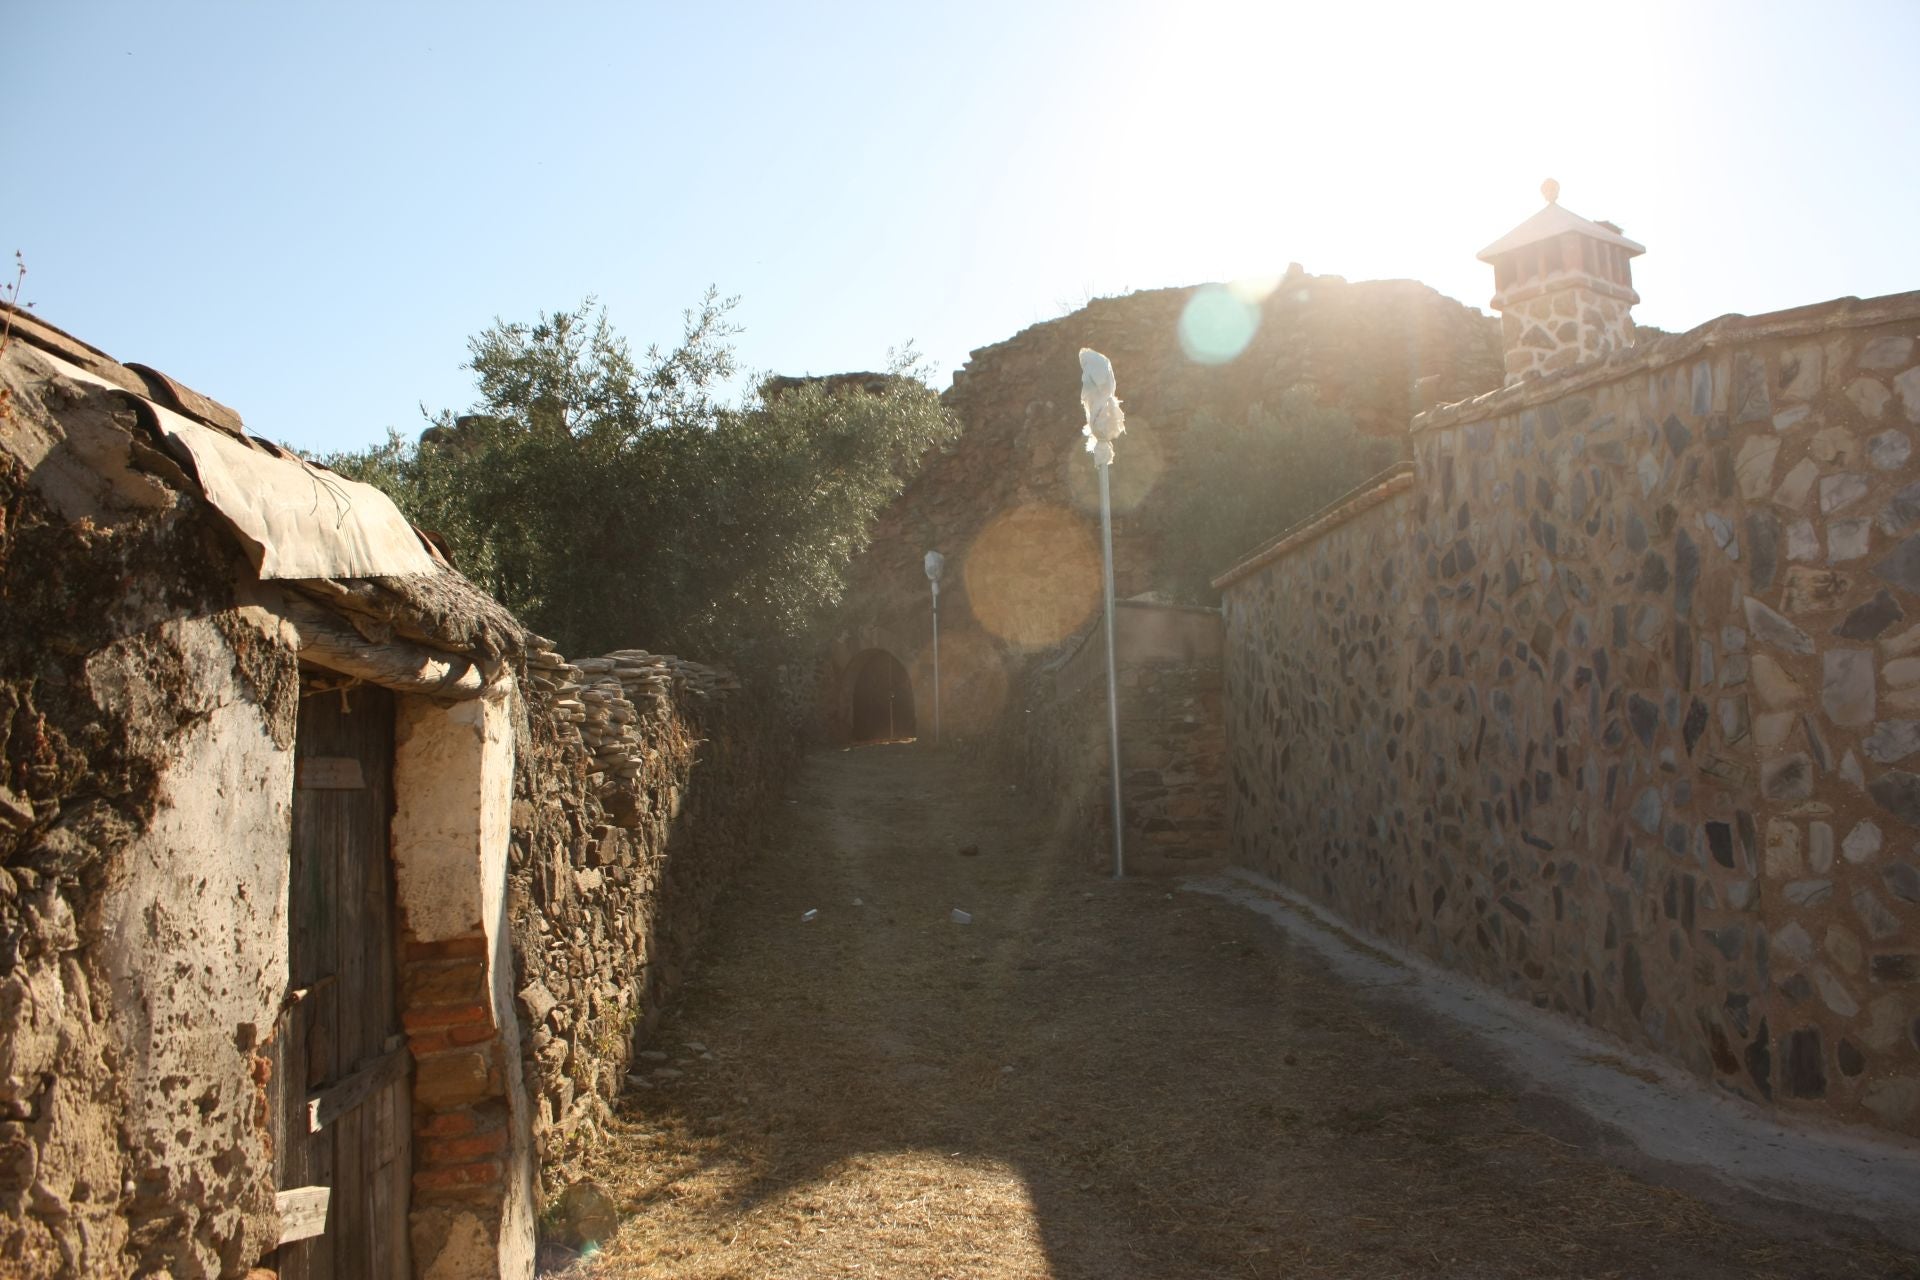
1564 289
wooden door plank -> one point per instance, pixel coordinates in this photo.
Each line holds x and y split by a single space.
303 1212
369 1078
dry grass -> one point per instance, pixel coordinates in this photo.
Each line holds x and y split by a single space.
1092 1080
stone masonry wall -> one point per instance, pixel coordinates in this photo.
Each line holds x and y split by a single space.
1613 702
644 782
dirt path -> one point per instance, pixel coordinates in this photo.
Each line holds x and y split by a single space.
1093 1079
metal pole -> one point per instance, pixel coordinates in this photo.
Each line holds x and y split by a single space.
1113 680
936 664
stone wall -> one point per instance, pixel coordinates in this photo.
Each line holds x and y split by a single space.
1013 502
1610 701
1172 742
643 783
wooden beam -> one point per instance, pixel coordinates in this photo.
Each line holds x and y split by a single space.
303 1212
336 1100
329 641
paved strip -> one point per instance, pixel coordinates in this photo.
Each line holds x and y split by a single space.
1669 1115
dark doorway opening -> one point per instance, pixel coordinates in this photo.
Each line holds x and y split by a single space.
882 697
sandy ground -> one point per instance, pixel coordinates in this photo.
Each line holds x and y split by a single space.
1100 1079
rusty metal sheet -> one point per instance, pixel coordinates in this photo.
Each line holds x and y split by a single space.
180 396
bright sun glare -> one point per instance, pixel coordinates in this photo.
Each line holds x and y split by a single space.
1356 139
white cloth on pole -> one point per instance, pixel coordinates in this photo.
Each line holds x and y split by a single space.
1105 422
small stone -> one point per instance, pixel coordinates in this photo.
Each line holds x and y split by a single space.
1881 923
1809 893
1833 445
1803 543
1834 993
1862 842
1844 948
1782 849
1898 792
673 1073
1894 968
1771 728
1838 492
1889 352
1791 940
1788 419
1820 847
1846 686
1867 621
1908 385
1849 539
1787 780
1770 628
1852 1061
1901 566
1798 485
1754 466
1721 531
1869 396
1646 810
1901 510
1850 769
1892 741
1899 646
1903 881
1888 451
1808 590
1901 673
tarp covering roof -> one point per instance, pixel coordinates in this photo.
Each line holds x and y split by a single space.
293 519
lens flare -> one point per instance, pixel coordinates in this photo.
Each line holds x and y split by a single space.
1137 468
1033 575
1218 323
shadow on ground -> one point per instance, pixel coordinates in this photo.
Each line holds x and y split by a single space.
1093 1079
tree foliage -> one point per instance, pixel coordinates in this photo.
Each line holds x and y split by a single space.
1242 479
614 500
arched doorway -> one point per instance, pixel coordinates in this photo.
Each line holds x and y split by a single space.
880 694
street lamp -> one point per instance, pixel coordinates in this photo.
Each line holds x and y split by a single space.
935 562
1105 424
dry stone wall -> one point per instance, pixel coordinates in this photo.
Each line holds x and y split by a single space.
1172 746
1613 702
643 782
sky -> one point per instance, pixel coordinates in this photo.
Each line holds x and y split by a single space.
305 209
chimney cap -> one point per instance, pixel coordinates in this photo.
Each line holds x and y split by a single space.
1555 220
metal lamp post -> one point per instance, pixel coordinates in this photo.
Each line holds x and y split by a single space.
1105 424
935 562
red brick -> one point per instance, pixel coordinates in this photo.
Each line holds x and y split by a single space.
448 1124
458 1177
446 1015
471 1035
447 949
427 1042
453 1151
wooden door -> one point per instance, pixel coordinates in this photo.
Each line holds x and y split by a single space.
342 1077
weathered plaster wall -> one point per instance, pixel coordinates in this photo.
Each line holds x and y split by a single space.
146 724
1611 704
1013 502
